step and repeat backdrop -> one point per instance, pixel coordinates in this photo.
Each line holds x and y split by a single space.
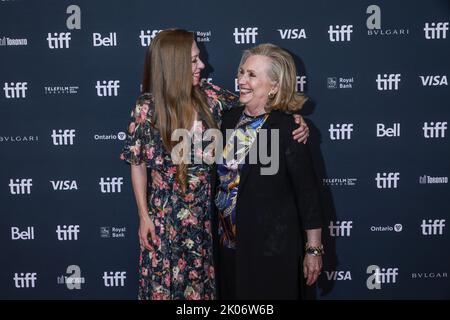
377 76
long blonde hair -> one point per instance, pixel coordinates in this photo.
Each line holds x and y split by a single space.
283 72
168 76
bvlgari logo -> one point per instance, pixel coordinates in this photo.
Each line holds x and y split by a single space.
19 139
374 24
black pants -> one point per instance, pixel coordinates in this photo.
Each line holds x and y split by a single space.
227 274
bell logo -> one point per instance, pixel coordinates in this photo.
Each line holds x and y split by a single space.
380 276
108 41
434 130
245 35
434 80
341 132
341 229
300 83
436 30
388 82
147 37
25 280
108 88
63 137
387 180
340 33
59 40
114 279
111 185
382 131
292 34
20 186
16 234
433 227
15 90
67 233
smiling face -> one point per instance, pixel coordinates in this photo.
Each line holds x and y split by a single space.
197 64
254 82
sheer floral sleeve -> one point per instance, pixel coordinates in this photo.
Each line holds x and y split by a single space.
219 100
139 141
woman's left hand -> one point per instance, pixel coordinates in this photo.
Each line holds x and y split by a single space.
312 266
300 134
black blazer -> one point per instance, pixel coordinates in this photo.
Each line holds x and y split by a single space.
272 212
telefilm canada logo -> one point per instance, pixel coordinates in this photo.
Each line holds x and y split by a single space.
61 90
335 182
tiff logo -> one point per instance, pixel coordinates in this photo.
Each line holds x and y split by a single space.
65 233
16 234
246 35
300 83
63 137
341 229
111 185
379 276
341 132
147 37
20 186
114 279
388 82
433 227
387 180
341 33
108 88
436 30
59 40
25 280
15 90
382 131
434 130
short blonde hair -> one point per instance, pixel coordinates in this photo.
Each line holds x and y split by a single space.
283 72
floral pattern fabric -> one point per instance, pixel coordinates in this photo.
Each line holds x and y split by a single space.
180 263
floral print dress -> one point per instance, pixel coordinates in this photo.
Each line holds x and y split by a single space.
180 263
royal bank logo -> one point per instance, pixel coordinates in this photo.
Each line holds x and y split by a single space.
292 34
113 232
61 90
425 179
107 137
340 83
147 36
245 35
398 227
430 227
203 36
13 42
435 30
373 24
340 33
104 41
73 279
380 276
333 182
340 228
59 40
24 280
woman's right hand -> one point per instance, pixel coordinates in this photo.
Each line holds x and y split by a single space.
146 227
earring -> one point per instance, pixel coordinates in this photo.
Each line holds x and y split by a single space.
271 95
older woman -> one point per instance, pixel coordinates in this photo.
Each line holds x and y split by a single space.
176 260
262 214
